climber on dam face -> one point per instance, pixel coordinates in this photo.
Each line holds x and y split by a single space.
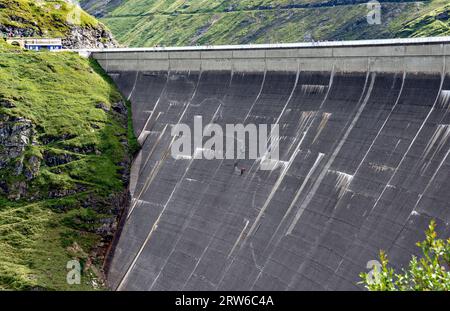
241 170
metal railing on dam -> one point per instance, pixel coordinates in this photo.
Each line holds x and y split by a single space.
363 163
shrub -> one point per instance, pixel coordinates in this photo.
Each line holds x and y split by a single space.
429 273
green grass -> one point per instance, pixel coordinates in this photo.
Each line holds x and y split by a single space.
432 20
39 234
209 22
35 248
52 18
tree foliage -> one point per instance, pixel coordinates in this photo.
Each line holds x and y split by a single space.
429 273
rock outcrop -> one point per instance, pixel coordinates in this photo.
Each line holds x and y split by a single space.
16 137
89 37
22 154
76 38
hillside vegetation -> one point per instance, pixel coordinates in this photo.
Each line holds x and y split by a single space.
53 18
46 17
203 22
64 160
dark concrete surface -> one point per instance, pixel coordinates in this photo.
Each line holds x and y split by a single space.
364 166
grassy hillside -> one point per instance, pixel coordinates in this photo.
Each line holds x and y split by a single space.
52 18
60 196
99 8
164 22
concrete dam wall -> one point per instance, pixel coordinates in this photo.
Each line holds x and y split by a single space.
364 163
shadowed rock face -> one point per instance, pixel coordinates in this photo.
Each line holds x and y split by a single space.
365 166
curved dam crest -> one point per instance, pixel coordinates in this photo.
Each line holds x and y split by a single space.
363 164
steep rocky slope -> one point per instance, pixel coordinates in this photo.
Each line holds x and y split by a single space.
58 18
65 149
163 22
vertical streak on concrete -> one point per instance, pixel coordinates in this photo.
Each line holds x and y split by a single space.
179 238
257 96
173 138
232 201
239 238
270 140
310 173
439 139
290 95
274 190
297 195
383 125
330 83
284 170
134 85
333 156
203 254
413 140
134 173
409 148
251 108
155 225
375 139
153 172
141 137
431 180
160 136
300 190
186 223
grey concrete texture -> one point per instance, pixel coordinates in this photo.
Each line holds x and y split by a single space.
380 55
364 166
